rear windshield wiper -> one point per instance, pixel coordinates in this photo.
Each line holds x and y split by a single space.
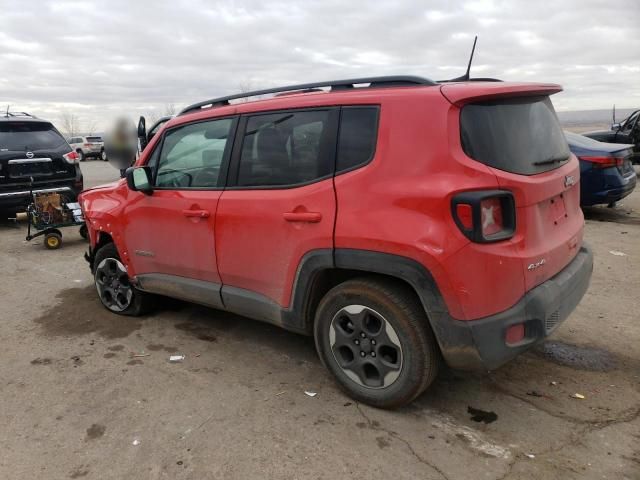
551 160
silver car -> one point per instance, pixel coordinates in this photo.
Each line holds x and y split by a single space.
86 147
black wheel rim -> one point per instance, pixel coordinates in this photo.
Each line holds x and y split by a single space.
112 282
365 346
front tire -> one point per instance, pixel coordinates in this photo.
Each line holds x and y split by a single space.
114 287
374 337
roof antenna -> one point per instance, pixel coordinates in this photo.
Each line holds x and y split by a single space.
7 115
614 113
466 76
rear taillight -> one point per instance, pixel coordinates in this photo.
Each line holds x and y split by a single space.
88 145
604 162
485 216
71 157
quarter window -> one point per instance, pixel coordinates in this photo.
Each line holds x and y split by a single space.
357 138
191 155
286 148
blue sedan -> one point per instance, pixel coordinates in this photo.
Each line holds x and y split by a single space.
606 172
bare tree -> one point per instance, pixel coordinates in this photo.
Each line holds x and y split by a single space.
70 124
169 109
91 127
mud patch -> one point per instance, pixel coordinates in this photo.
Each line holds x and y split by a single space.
619 214
583 358
135 362
382 442
156 347
95 431
483 416
79 312
109 355
199 330
116 348
41 361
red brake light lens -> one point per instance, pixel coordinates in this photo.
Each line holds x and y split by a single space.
464 212
71 157
604 162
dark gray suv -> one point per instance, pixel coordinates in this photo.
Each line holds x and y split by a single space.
34 153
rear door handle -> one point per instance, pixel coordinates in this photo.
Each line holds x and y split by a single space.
309 217
196 213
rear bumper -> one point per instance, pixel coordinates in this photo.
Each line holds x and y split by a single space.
18 198
611 194
480 344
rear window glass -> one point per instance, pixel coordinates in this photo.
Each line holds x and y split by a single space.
29 136
357 139
519 135
94 139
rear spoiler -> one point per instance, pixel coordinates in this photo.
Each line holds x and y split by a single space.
466 92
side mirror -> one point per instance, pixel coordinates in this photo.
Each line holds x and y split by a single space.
142 133
139 179
615 126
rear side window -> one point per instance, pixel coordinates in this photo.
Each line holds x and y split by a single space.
94 139
519 135
286 148
357 137
21 136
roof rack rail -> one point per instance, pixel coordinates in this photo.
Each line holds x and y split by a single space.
374 82
17 114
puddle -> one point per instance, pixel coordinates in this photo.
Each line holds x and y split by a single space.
582 358
79 312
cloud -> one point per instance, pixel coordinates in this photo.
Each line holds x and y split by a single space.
97 58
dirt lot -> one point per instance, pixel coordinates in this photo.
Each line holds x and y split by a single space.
78 403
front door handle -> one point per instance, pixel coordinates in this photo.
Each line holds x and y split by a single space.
309 217
196 213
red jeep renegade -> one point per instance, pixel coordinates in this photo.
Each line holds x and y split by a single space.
400 221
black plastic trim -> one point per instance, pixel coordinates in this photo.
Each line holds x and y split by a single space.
474 199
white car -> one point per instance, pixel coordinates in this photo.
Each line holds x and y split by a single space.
88 147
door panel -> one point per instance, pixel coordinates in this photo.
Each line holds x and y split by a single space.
280 203
259 249
163 237
172 231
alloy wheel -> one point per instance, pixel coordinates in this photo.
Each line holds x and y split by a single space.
114 287
365 346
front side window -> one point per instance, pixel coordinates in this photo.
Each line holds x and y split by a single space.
191 155
285 148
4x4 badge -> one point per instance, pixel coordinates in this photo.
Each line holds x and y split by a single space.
569 180
29 154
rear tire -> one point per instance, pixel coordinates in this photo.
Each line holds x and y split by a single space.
374 337
81 156
103 156
114 287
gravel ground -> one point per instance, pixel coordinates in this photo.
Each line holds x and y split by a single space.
86 394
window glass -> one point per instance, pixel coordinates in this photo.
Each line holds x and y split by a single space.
192 155
630 122
519 135
285 148
20 136
357 138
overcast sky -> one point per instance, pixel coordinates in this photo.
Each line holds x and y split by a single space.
95 59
